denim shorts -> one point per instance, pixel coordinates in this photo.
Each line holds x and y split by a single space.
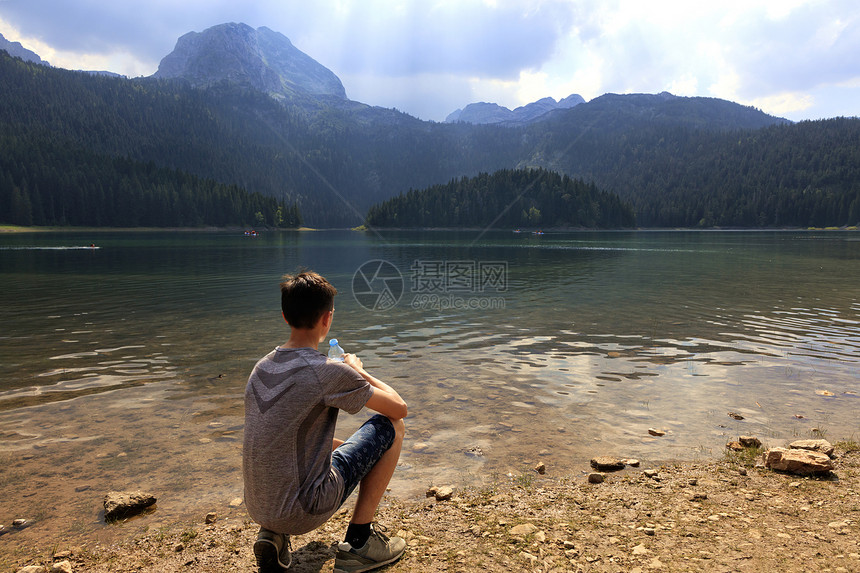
357 455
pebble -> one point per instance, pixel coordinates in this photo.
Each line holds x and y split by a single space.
541 468
61 567
749 441
523 529
656 432
420 447
236 502
528 556
211 517
443 493
475 452
596 478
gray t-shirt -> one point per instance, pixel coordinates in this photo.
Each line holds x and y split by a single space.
291 405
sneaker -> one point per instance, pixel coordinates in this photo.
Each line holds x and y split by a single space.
378 551
272 551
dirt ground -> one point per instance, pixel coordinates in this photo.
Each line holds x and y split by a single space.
716 516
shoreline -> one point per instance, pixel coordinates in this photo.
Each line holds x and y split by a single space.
19 229
11 229
716 515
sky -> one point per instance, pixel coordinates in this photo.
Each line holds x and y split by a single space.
798 59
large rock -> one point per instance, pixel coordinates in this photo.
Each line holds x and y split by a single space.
820 446
119 504
607 464
801 462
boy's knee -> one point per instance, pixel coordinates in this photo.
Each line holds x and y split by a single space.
399 428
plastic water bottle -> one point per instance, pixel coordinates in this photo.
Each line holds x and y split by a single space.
335 352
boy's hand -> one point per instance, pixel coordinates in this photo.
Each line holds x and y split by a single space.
353 360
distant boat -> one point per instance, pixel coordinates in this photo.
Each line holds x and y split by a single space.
537 232
517 231
251 233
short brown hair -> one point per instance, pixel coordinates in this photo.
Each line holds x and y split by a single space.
305 297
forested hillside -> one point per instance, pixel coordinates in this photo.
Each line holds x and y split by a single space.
507 198
792 175
67 138
47 185
334 162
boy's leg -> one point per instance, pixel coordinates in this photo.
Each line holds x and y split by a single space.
374 484
368 460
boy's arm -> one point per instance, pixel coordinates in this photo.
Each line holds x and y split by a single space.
385 399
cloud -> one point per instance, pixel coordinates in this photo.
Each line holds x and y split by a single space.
423 55
462 38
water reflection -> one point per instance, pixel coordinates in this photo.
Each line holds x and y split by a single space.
127 364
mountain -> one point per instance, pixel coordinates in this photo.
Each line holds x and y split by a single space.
484 113
15 49
259 59
678 161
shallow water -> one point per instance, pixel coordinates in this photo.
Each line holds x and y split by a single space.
123 366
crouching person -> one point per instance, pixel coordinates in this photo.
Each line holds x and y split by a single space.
296 473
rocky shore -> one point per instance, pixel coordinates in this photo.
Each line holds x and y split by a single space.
732 514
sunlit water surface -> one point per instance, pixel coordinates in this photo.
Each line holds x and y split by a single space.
123 366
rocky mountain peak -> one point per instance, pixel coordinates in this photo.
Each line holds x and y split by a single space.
481 113
16 50
260 59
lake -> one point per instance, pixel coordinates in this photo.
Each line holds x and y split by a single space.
122 366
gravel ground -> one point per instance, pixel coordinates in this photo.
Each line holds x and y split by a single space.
724 515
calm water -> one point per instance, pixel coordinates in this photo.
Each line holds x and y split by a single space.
123 366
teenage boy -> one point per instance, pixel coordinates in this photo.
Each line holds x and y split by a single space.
296 473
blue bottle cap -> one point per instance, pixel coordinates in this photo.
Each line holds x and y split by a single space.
332 342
